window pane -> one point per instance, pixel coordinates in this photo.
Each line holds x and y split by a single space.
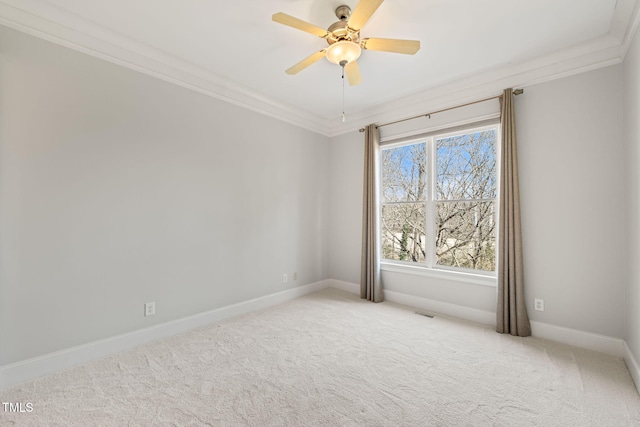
404 173
466 166
466 235
403 232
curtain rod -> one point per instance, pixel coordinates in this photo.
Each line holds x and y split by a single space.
515 92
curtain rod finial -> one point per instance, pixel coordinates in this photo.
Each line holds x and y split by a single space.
518 91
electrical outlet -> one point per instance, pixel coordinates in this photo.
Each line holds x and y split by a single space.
285 278
149 309
294 276
538 304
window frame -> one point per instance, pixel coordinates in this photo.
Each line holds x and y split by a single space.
429 266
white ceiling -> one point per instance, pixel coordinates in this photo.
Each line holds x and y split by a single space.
232 50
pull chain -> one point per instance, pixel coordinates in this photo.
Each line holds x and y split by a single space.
344 117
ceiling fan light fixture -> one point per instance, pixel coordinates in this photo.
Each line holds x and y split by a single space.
343 52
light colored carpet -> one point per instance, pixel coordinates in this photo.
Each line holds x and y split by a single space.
331 359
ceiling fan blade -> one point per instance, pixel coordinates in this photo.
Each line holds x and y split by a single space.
306 62
408 47
353 73
362 13
283 18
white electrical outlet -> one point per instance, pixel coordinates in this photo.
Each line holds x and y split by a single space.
149 309
538 304
294 276
285 278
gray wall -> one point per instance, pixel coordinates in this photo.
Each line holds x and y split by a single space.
118 189
632 139
572 185
345 227
572 178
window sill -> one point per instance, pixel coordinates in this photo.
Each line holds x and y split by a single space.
458 276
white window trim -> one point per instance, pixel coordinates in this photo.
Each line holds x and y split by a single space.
439 273
429 268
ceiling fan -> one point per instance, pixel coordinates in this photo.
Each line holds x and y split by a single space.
344 39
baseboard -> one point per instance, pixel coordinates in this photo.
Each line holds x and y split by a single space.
632 366
26 370
433 306
588 340
352 288
430 305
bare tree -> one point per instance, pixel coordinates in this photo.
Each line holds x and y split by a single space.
404 183
463 200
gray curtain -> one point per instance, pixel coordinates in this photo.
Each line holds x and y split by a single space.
512 315
370 286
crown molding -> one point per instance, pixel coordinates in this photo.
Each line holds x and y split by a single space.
48 22
588 56
625 22
51 24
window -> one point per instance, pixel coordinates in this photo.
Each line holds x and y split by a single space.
438 200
